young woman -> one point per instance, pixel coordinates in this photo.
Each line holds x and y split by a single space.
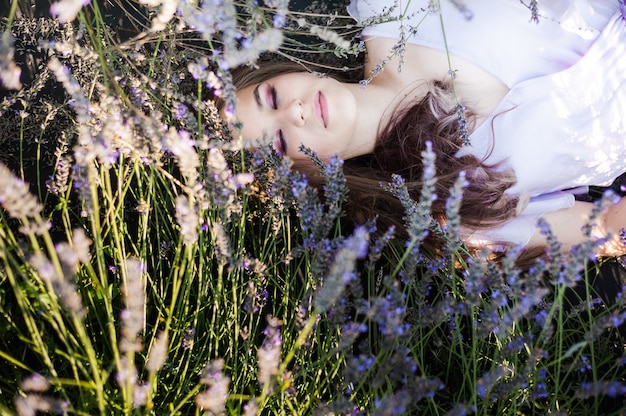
543 103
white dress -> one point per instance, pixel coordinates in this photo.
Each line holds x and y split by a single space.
561 125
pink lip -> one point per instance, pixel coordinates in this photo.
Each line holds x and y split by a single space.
321 109
279 147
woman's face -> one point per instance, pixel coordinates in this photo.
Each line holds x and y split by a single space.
299 109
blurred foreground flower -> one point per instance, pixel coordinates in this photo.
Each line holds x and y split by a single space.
134 290
35 382
62 287
269 354
213 400
9 71
33 401
66 10
187 219
158 353
167 10
15 197
342 270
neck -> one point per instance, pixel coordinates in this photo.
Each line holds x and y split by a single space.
369 115
375 104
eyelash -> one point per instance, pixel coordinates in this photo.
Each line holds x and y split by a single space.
274 102
274 105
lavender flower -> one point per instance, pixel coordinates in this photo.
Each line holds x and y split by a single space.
222 185
376 249
268 355
15 196
141 394
83 177
158 353
395 404
79 101
57 184
267 40
335 188
464 129
467 13
539 390
614 319
453 220
522 308
489 379
584 365
187 219
214 16
134 291
126 373
78 252
87 150
329 36
534 11
65 290
389 313
599 207
600 388
373 73
342 270
357 367
199 68
181 145
187 343
256 298
166 12
35 383
251 408
213 400
66 10
9 71
425 387
222 242
554 246
417 216
434 6
34 403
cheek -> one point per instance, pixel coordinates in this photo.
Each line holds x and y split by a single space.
251 129
328 145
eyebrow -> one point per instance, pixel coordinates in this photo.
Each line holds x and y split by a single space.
257 97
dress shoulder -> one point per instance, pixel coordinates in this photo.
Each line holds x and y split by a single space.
499 36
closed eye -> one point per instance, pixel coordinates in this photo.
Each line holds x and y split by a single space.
282 143
274 99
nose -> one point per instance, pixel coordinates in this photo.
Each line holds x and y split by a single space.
294 113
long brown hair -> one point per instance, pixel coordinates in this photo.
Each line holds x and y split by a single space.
399 147
398 150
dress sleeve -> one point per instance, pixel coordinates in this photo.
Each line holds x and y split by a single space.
519 230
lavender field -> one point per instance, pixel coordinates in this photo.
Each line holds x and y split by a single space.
152 263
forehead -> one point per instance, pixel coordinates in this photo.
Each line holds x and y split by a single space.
278 77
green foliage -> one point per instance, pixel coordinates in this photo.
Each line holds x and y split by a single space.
170 270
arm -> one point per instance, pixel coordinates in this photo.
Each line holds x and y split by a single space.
567 226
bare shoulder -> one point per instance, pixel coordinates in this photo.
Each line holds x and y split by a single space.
478 89
401 64
419 60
